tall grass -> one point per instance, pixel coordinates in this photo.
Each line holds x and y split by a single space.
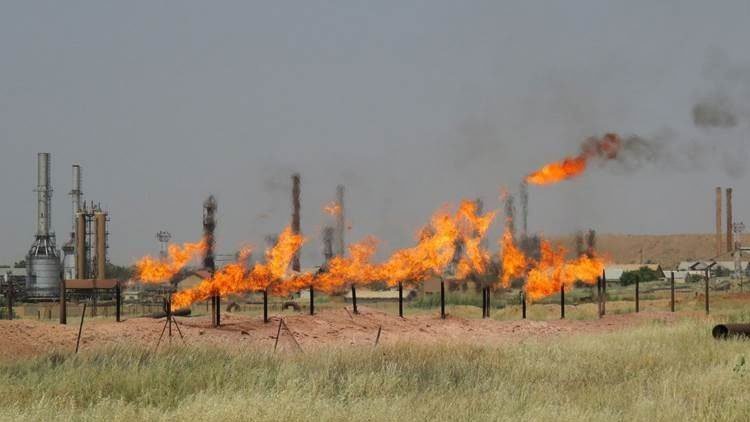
654 372
432 301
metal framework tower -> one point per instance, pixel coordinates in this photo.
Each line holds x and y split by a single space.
163 237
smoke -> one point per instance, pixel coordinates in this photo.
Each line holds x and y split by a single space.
716 112
726 101
668 150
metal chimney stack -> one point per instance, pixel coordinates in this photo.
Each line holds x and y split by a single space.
340 222
43 262
718 222
76 194
296 215
730 222
44 194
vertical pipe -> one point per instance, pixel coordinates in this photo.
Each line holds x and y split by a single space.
296 216
442 299
489 295
707 278
312 300
604 293
118 301
100 220
524 196
599 296
671 293
354 299
340 221
209 262
562 301
76 193
637 295
730 222
218 309
81 263
523 305
400 299
484 302
10 293
718 221
63 304
44 193
265 306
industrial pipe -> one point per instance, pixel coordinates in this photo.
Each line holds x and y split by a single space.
63 305
400 299
488 301
637 294
562 301
265 306
484 302
312 300
118 301
354 300
707 279
671 288
442 299
723 331
523 305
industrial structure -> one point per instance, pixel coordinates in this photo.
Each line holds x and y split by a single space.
84 255
43 259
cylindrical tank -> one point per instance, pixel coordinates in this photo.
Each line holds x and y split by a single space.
100 220
81 271
44 275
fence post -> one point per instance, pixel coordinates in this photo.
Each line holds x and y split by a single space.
671 301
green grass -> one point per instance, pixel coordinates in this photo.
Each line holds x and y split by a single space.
654 372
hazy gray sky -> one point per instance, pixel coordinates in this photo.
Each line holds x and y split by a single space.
410 104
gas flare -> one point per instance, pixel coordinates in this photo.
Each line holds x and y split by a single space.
355 269
152 270
605 148
234 278
333 208
473 230
552 272
514 262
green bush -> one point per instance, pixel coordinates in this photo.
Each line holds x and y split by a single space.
643 274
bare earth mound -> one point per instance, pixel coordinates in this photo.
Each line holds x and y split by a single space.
667 250
328 328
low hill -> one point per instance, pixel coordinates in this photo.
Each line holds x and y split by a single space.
667 250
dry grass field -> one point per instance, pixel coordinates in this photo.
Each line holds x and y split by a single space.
652 366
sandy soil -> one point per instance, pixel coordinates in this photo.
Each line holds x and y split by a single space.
338 327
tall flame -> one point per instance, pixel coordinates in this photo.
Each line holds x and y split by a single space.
553 272
234 278
153 270
606 148
514 262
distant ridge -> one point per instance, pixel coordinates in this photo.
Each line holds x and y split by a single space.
667 250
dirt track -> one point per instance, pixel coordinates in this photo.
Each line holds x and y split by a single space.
23 338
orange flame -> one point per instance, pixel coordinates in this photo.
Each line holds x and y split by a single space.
332 208
234 278
606 147
552 272
474 228
514 261
355 269
152 270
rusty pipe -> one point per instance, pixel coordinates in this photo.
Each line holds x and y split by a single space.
723 331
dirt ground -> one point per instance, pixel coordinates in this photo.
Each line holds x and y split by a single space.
336 327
